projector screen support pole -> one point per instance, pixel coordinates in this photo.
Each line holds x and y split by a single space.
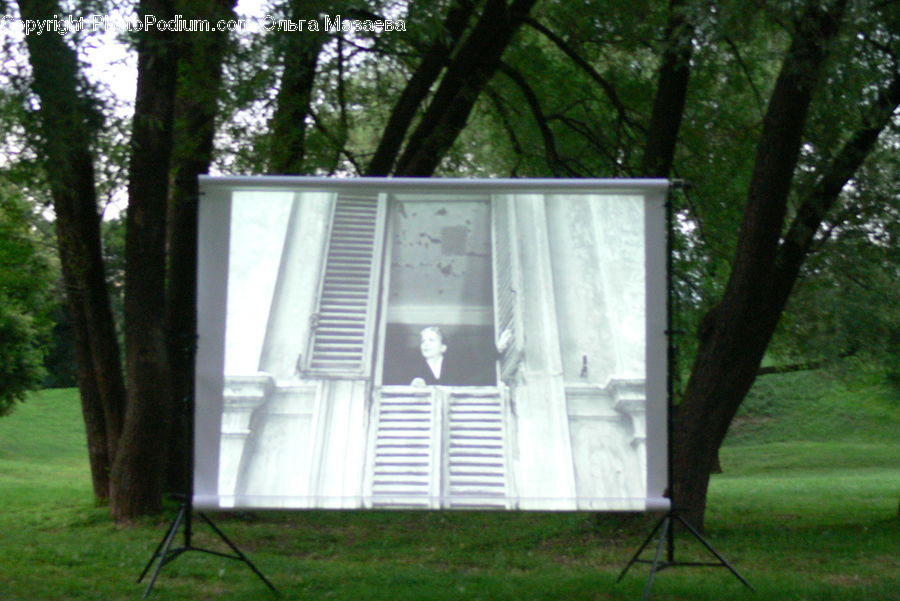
166 554
185 516
665 527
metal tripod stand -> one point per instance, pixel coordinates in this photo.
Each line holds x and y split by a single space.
665 527
167 554
667 524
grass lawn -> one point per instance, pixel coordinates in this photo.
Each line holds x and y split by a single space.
805 512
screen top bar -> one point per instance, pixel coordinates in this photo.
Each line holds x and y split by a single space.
426 184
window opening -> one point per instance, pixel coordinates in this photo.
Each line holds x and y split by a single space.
440 274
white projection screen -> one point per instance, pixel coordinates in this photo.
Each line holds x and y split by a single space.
431 343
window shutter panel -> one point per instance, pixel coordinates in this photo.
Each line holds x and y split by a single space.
343 326
508 311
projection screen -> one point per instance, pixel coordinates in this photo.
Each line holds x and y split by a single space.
431 343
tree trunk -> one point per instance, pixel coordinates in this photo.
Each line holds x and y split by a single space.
68 123
417 88
671 95
471 69
100 382
139 467
300 54
728 358
200 78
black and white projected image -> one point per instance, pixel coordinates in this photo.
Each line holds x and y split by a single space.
395 345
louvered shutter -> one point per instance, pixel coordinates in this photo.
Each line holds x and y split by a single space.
508 313
477 446
343 325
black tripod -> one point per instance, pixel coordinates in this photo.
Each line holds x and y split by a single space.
167 554
667 524
666 528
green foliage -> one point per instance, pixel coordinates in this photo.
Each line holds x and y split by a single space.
846 301
21 357
26 302
771 513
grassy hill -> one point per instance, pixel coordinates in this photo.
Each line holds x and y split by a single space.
815 448
816 406
806 509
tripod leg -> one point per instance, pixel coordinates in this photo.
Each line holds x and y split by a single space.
172 528
238 552
643 546
165 549
710 548
654 568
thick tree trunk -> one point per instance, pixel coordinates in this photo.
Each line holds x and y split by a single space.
100 380
300 54
468 73
67 125
100 385
139 467
200 78
742 325
98 444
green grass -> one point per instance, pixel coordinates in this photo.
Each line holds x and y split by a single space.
816 406
806 509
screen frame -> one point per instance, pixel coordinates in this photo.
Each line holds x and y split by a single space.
213 252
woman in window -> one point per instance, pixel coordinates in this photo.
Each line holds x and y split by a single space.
438 367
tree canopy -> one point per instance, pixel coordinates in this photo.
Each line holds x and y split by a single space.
26 300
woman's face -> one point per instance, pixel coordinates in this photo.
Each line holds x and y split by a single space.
432 346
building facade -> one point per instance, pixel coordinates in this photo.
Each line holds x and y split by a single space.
326 295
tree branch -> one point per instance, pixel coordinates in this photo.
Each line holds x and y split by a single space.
417 88
341 148
608 89
671 95
466 76
737 55
550 152
598 143
799 366
821 198
498 103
